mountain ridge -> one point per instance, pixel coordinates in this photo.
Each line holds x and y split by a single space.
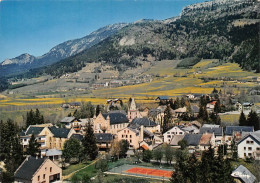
25 62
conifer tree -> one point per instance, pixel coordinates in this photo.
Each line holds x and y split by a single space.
167 119
177 103
33 147
253 120
242 119
89 143
11 150
182 101
217 108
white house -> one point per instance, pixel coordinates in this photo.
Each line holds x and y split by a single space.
249 145
167 136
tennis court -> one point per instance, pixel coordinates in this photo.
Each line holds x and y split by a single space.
141 171
150 171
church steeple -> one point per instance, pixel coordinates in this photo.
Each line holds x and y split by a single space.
132 105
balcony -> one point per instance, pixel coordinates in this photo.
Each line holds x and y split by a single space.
41 141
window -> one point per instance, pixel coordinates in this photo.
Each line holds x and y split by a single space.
39 178
244 154
168 136
249 154
43 176
45 168
169 132
172 132
250 148
244 148
248 142
180 133
130 136
130 141
126 136
122 136
50 169
258 148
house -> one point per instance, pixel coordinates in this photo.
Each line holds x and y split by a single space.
175 140
104 141
163 100
37 170
67 121
138 137
54 154
249 145
196 123
247 105
195 110
111 122
242 175
217 131
211 106
193 141
176 130
49 137
77 124
157 114
145 112
133 112
235 132
147 123
207 140
180 111
192 129
74 105
238 106
194 96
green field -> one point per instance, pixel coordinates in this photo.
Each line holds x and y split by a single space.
167 80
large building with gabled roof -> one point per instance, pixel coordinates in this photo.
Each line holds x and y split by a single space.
37 170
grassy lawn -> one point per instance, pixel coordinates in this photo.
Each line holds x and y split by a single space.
249 165
75 167
91 171
116 178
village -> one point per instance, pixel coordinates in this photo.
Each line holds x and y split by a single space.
125 131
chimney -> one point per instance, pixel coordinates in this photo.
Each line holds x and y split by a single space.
141 138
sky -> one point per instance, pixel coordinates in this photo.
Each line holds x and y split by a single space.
35 26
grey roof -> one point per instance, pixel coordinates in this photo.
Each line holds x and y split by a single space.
163 98
103 137
67 119
192 139
195 108
116 118
77 136
33 130
118 111
53 152
147 132
191 129
255 135
28 168
231 129
176 139
211 126
243 174
216 131
59 132
143 121
75 103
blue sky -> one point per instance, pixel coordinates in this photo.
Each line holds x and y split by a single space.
35 26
